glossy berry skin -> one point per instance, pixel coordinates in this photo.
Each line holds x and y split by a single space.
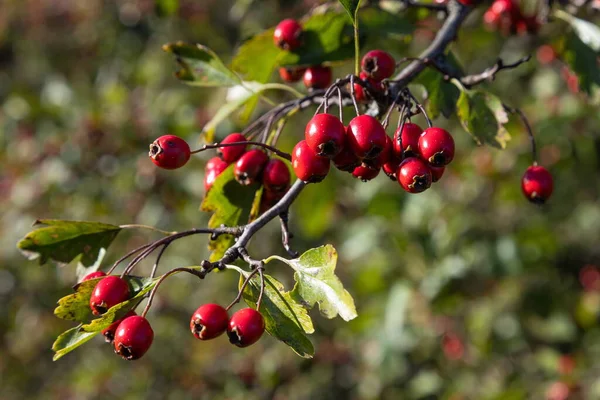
378 64
288 34
109 333
246 326
436 146
366 136
382 158
93 275
214 168
436 173
362 94
410 140
249 167
133 337
276 176
231 154
414 175
317 77
169 152
308 166
291 75
391 167
365 173
108 292
325 135
346 160
537 184
209 321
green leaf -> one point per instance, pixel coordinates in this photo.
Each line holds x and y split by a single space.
382 25
442 96
351 6
257 68
588 32
164 8
63 241
70 340
316 282
583 61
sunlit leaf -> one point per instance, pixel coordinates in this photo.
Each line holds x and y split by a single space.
70 340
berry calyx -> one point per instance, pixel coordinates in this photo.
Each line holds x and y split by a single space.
382 158
246 326
366 136
276 176
209 321
414 175
291 75
107 293
288 34
346 160
378 64
230 154
436 145
436 173
93 275
325 135
308 166
169 152
410 140
365 173
214 167
537 184
109 333
317 77
133 337
249 166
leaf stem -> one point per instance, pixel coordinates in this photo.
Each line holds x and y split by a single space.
148 227
356 48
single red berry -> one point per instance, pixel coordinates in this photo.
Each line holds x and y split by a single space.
317 77
209 321
453 347
492 19
378 64
414 175
230 154
288 34
214 167
436 173
382 158
325 135
366 136
133 337
276 176
108 292
93 275
308 166
391 167
169 152
537 184
249 167
246 326
346 160
269 199
365 173
290 74
362 93
436 146
410 140
109 333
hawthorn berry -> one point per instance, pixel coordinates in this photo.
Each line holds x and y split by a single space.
360 93
325 135
109 333
410 140
317 77
378 64
249 166
537 184
93 275
346 160
246 326
209 321
288 34
414 175
107 293
365 173
291 75
436 173
308 166
382 158
366 136
133 337
269 199
276 176
214 167
391 167
231 154
169 152
436 146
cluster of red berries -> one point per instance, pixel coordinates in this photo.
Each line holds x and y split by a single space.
244 328
376 66
506 16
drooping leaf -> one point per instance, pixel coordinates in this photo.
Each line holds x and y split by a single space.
63 241
583 61
165 8
257 68
588 32
351 7
70 340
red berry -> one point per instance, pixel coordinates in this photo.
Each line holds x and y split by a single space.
288 34
346 160
291 75
276 176
317 77
468 2
414 175
133 337
391 167
361 93
269 199
209 321
453 347
410 140
245 327
249 167
230 154
537 184
308 166
365 173
214 167
325 135
436 146
109 333
382 158
366 136
491 18
108 292
378 64
93 275
169 152
436 173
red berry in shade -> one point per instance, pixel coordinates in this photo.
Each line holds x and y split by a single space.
230 154
317 77
108 292
93 275
436 173
133 337
346 160
214 168
362 94
325 135
308 166
109 333
410 140
378 64
169 152
468 2
288 34
414 175
365 173
209 321
382 158
436 146
453 347
269 199
291 75
391 167
537 184
491 18
246 326
276 176
366 136
249 167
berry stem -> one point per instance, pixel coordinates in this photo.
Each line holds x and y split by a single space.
262 287
528 129
126 256
286 235
161 280
151 228
241 291
259 144
353 95
155 266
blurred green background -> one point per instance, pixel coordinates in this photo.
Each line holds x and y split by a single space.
466 291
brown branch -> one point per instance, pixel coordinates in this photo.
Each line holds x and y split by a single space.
490 73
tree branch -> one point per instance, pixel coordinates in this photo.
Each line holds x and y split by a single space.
490 73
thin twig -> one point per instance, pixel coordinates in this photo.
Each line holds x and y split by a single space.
246 143
527 129
160 281
262 288
286 235
241 291
155 266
